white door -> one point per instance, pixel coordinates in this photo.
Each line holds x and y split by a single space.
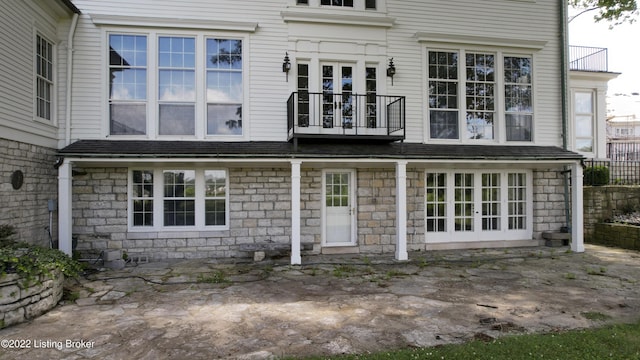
338 101
339 208
478 205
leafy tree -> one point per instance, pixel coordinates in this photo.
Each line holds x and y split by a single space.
616 11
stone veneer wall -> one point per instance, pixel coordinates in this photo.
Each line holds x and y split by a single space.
26 208
548 201
19 303
260 211
259 205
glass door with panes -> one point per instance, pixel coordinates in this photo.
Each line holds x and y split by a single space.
477 205
338 101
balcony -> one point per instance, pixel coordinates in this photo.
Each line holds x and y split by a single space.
584 58
345 116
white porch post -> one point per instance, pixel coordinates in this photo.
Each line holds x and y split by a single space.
65 217
401 211
577 224
295 212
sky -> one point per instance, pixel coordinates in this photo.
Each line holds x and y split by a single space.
623 42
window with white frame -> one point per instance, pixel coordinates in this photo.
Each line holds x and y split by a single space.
359 4
177 199
175 68
468 83
584 118
44 78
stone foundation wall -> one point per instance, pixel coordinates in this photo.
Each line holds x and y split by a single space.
19 303
260 212
26 208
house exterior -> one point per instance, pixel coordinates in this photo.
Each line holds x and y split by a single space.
589 75
372 127
33 44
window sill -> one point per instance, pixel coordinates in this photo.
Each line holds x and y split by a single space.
337 17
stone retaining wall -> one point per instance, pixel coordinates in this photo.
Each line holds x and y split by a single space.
618 235
19 303
601 203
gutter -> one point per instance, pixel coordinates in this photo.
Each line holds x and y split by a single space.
67 125
564 85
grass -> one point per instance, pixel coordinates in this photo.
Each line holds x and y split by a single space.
612 342
217 277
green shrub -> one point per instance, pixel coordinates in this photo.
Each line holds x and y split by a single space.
596 176
6 231
30 262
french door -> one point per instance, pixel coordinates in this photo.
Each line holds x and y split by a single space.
338 101
478 205
339 208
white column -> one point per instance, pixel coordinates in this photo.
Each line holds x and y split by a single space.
65 218
401 211
295 212
577 212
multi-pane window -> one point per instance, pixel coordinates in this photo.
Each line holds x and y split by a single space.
179 198
142 197
517 202
162 198
464 189
491 201
303 95
371 98
127 84
481 87
337 189
44 78
518 98
370 4
346 3
584 116
215 197
436 202
182 107
443 94
480 95
176 85
224 87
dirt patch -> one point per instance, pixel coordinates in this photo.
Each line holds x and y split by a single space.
333 305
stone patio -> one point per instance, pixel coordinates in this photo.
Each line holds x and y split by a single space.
331 305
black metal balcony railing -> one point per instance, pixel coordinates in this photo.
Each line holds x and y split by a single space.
318 115
584 58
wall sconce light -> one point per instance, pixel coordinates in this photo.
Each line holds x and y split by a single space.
391 70
286 65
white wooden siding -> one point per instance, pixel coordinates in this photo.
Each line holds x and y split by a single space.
265 115
19 22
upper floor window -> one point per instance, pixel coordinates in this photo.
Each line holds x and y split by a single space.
179 108
128 84
347 3
584 119
462 96
518 98
44 78
366 4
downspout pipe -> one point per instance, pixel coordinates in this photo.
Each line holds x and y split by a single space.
67 125
564 86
